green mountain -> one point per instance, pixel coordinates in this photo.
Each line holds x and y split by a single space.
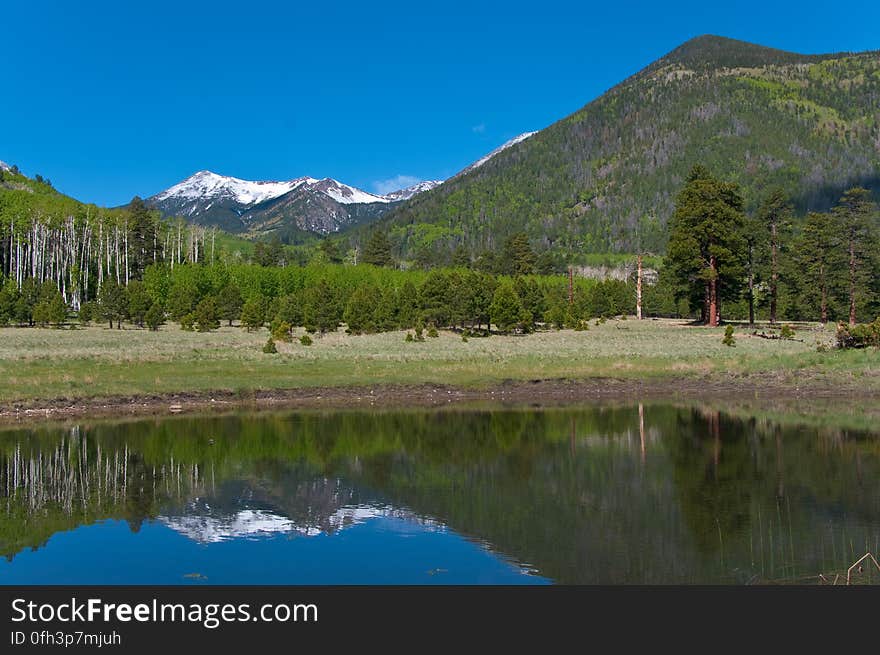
604 179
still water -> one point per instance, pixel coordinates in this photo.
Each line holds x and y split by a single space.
635 494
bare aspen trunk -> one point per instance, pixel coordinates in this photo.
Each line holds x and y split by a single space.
751 288
639 289
713 292
570 286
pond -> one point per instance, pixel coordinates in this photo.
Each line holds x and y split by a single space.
654 493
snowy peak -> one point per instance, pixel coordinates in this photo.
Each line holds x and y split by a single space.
207 185
414 190
501 148
343 193
4 166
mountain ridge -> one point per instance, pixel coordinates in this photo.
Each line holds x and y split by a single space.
604 178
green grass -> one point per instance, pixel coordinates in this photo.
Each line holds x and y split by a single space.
96 361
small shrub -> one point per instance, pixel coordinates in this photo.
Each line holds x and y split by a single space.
432 331
282 331
464 338
154 317
861 335
188 321
409 337
728 339
786 332
270 348
582 326
305 340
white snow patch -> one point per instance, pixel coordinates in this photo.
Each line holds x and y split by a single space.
254 524
502 147
414 190
206 184
346 195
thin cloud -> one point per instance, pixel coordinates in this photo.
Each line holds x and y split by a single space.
479 129
395 184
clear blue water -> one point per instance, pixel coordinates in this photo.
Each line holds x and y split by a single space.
651 494
378 551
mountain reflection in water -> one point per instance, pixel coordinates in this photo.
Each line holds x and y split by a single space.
601 494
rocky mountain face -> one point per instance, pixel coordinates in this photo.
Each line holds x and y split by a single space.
236 205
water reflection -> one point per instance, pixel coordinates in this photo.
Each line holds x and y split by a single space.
634 494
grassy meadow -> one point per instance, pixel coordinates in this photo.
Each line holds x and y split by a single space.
49 364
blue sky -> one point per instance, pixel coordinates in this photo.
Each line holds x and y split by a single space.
114 99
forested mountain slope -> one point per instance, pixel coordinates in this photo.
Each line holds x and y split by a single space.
604 179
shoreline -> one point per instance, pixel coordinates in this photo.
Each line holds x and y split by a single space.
537 392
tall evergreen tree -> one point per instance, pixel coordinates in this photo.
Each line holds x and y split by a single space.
771 231
518 256
378 250
706 243
818 260
856 216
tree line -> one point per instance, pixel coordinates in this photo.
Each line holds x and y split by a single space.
824 267
321 298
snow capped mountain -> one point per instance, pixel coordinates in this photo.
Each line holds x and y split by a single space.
4 166
502 147
304 204
415 189
206 184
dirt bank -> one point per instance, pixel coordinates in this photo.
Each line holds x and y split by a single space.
532 392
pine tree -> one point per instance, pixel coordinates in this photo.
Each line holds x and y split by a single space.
819 260
705 240
113 302
182 300
321 308
206 315
771 231
139 302
229 303
518 256
290 309
408 305
360 310
506 311
331 251
856 217
253 313
378 250
155 316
